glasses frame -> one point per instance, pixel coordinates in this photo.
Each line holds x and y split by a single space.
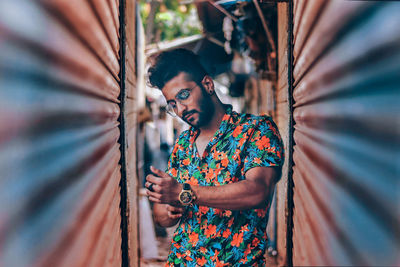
170 109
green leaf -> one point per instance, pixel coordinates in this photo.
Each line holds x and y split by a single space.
176 261
165 16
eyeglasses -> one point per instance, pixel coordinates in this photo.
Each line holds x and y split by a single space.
181 97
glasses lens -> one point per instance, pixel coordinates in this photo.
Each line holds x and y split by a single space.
183 94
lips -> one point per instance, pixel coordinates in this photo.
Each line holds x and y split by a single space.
187 116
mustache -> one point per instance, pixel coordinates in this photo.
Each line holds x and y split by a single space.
188 113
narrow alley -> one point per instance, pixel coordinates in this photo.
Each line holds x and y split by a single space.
80 125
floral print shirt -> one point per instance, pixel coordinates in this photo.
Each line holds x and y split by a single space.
215 237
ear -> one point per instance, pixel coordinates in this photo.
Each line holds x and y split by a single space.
208 84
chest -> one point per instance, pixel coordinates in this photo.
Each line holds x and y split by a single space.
201 144
205 163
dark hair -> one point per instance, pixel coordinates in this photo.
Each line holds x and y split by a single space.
169 64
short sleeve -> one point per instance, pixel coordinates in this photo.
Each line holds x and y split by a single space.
265 148
174 158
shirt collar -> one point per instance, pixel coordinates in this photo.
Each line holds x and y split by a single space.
222 128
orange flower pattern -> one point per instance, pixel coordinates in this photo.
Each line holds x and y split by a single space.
214 237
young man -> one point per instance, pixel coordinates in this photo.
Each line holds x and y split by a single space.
221 173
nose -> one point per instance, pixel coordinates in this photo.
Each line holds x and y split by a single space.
180 108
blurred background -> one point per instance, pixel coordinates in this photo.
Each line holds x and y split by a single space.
79 127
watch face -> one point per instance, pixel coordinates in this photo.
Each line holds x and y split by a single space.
186 197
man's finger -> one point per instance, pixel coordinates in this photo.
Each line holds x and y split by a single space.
155 200
153 194
153 179
175 209
174 216
153 187
159 172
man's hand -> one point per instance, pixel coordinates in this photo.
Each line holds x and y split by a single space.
251 193
165 188
174 212
166 215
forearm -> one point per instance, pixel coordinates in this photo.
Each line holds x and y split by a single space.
236 196
161 216
252 192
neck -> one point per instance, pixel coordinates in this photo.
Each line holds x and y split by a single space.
215 121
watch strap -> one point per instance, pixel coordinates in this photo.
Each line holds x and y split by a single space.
186 186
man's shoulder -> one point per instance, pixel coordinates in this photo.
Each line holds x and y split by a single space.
183 137
251 119
184 134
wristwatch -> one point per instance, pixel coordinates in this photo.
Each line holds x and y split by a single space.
186 196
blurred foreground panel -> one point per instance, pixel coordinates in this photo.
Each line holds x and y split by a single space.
346 114
59 151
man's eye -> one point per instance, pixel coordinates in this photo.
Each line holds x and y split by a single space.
183 95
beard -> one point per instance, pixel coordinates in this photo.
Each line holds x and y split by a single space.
206 110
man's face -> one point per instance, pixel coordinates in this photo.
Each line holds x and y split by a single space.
191 102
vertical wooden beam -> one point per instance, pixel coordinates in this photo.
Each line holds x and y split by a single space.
289 233
122 97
